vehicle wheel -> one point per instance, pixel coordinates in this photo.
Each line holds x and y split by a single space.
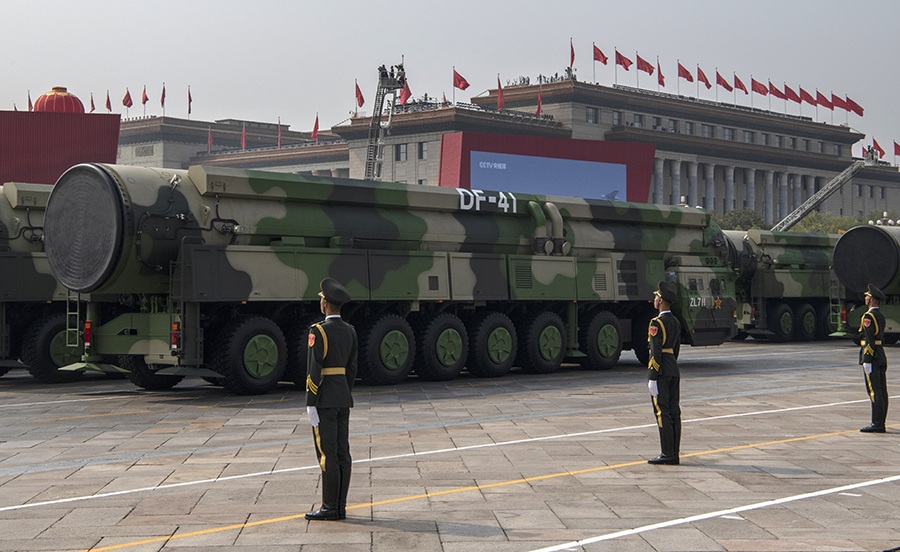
492 350
297 337
639 342
889 339
601 341
4 370
805 323
443 346
143 376
781 323
543 344
387 350
44 351
824 326
251 354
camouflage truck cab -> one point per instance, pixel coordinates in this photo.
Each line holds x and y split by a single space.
214 272
786 289
32 302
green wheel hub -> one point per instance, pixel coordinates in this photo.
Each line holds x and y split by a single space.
394 350
550 342
787 323
449 347
809 323
499 345
60 354
608 341
260 356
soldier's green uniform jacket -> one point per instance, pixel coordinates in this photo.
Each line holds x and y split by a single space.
331 364
664 335
871 334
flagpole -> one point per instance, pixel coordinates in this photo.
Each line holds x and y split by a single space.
616 51
698 81
143 102
717 84
637 73
733 74
594 64
678 80
751 91
657 76
164 103
453 91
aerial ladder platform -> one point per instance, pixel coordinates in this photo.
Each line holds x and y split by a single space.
388 83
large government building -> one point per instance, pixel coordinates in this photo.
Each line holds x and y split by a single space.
716 155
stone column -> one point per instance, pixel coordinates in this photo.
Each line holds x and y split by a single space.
783 186
770 197
750 188
658 165
729 189
676 182
710 202
798 190
692 184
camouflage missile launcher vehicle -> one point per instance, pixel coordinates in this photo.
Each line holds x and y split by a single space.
214 272
870 255
32 302
785 290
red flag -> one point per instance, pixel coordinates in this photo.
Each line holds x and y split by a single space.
92 103
644 66
823 101
790 94
244 137
538 111
359 97
739 85
896 148
209 140
807 97
758 87
315 132
30 106
144 98
701 77
162 97
499 95
598 56
572 57
838 101
459 81
405 94
445 103
659 76
722 82
854 107
684 73
126 101
776 92
881 152
189 99
622 60
108 104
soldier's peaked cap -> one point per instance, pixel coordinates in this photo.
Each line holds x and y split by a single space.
666 293
876 293
333 291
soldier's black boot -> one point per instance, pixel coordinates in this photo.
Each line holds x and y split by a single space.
342 497
331 483
667 443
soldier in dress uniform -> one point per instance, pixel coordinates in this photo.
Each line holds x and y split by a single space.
873 359
331 372
664 337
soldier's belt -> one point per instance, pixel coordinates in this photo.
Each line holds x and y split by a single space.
670 351
334 371
876 342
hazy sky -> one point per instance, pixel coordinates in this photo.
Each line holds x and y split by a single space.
292 59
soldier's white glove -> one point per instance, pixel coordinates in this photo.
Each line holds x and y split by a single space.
313 416
654 388
867 366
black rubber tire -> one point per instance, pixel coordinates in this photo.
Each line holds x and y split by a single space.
251 353
443 347
4 370
639 333
387 350
824 327
601 340
780 322
493 345
297 336
44 351
144 377
889 339
806 323
542 344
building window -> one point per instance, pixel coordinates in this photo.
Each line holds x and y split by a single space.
821 147
423 150
591 115
806 145
657 123
793 143
638 120
728 133
617 118
689 128
837 150
765 139
779 142
400 152
423 182
749 138
673 125
881 192
872 192
859 190
707 131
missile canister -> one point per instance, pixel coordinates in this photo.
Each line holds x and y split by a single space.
869 255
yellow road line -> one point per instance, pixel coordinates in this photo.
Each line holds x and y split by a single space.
461 490
91 416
